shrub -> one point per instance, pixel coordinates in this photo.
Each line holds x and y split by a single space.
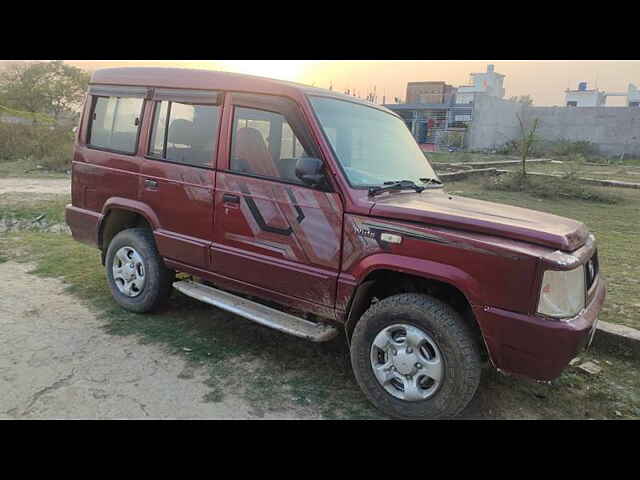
566 147
49 146
15 141
567 186
509 148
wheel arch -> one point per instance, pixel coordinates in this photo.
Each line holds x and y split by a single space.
119 214
444 282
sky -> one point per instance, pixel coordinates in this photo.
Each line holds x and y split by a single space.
544 81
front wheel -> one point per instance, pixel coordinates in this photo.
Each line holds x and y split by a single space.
415 358
137 276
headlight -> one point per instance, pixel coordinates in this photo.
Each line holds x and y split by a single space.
562 293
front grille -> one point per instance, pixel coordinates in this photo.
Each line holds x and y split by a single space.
591 270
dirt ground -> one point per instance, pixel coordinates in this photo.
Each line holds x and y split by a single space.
35 185
57 363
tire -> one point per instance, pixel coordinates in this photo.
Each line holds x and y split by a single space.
157 279
449 344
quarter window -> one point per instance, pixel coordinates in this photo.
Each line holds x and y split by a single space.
115 123
185 133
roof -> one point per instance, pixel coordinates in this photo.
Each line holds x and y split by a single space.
428 82
188 78
583 91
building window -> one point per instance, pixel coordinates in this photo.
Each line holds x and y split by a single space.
115 123
572 104
185 133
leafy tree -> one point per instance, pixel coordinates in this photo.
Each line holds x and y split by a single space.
43 87
20 87
66 87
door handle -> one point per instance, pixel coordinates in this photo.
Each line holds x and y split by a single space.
150 183
229 198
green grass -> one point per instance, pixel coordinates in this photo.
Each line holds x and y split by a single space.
20 206
554 188
626 171
29 168
275 372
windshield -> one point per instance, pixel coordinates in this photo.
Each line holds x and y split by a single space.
372 146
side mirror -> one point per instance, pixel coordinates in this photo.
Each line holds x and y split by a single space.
309 170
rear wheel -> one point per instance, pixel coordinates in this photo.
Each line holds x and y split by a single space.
415 358
137 276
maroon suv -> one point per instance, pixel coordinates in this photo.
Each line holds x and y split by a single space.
324 204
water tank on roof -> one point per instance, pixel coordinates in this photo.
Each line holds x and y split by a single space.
582 86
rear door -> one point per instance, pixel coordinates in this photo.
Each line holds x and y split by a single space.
273 231
107 160
177 176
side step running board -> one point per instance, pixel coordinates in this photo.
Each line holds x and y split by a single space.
316 332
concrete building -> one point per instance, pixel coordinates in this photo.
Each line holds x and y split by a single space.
439 114
429 92
486 83
583 97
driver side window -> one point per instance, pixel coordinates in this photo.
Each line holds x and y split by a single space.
264 144
269 135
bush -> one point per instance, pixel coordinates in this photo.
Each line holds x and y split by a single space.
509 148
564 148
513 147
558 148
15 141
567 186
49 146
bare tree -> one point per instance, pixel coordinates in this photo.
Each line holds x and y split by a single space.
526 141
525 99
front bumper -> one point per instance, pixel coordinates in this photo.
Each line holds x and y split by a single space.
534 346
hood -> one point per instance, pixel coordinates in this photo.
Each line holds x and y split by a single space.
436 207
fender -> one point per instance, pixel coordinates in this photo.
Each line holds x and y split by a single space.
130 205
428 269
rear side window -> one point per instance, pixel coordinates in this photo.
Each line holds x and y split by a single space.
115 123
184 133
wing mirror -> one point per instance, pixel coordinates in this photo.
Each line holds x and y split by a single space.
310 171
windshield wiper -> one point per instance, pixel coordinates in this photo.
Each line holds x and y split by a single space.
395 185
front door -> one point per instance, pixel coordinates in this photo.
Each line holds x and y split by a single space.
178 173
272 231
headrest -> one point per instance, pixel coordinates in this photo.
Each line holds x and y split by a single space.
181 131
